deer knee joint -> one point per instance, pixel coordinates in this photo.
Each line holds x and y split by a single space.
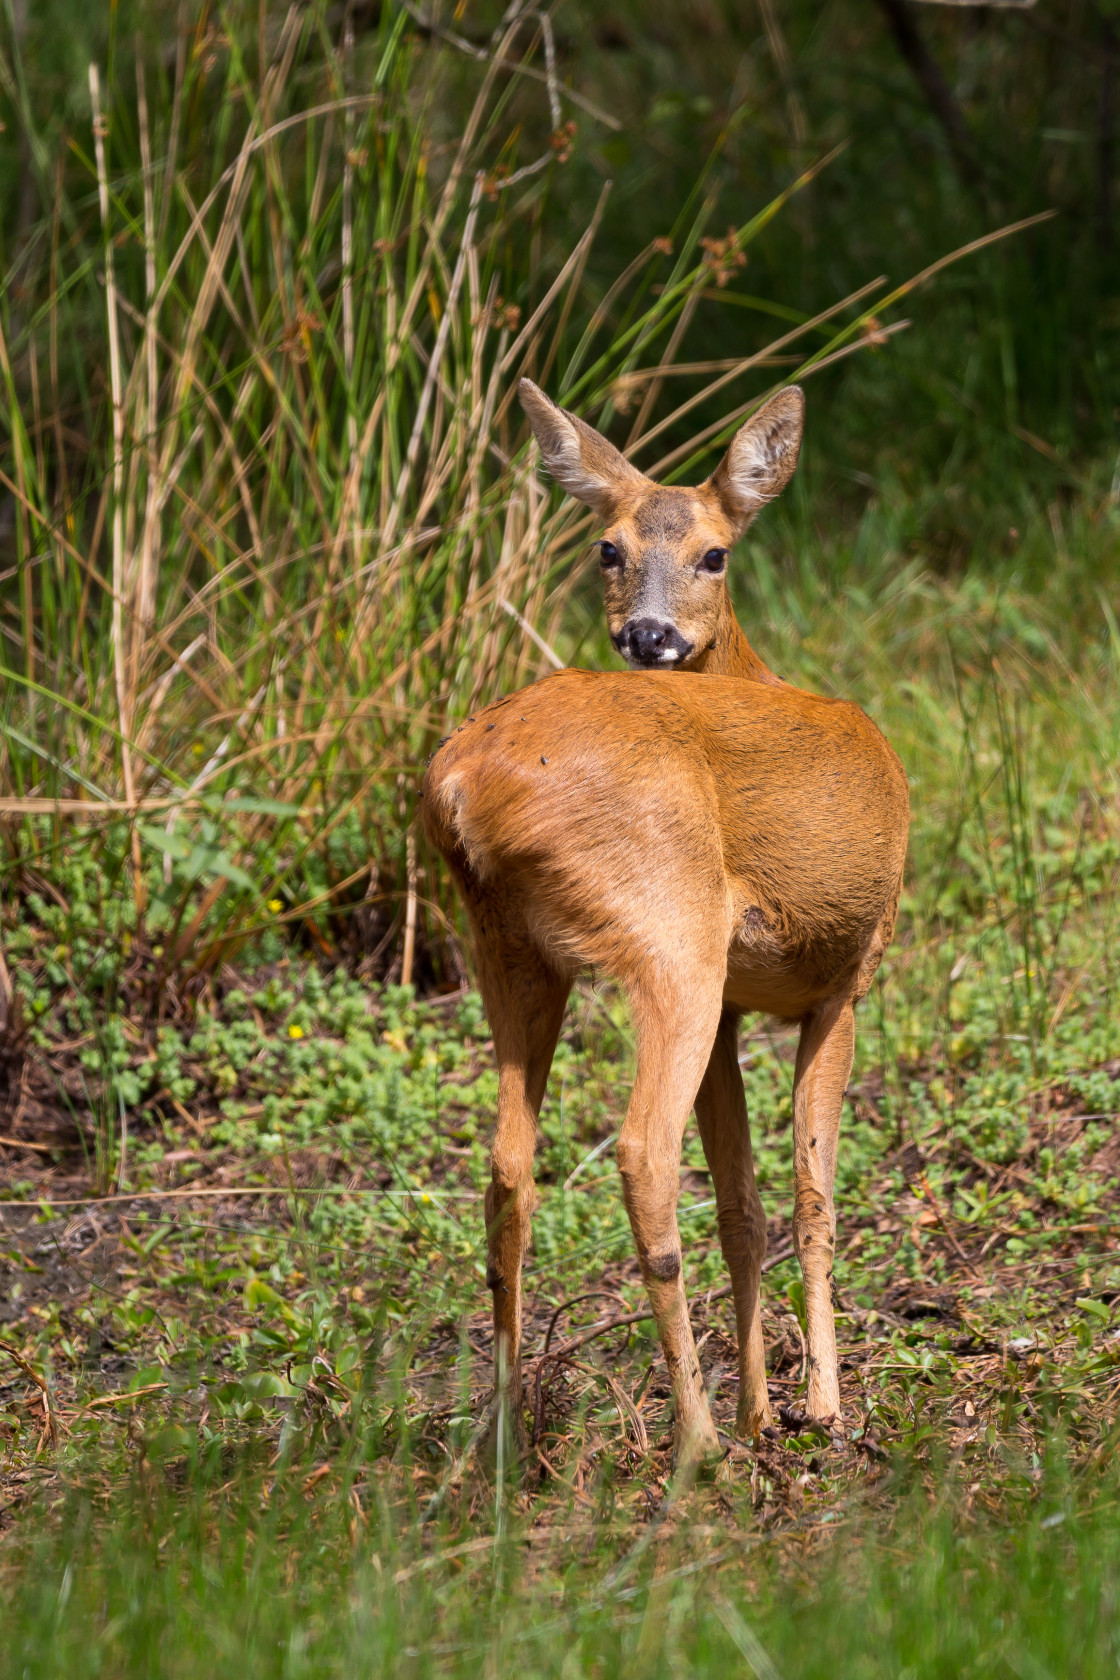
742 1231
630 1155
508 1209
754 1222
664 1267
509 1168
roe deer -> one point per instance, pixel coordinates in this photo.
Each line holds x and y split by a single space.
715 840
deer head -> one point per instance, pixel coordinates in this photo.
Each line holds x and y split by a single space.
663 552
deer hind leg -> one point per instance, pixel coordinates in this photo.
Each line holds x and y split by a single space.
675 1033
525 1002
824 1062
721 1109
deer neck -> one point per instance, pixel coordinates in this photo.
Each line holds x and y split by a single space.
729 654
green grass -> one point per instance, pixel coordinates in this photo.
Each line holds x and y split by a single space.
203 1563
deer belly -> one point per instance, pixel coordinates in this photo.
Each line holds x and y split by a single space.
771 991
784 965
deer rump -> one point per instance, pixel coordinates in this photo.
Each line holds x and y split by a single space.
636 818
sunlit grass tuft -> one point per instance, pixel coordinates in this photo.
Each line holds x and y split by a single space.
213 1564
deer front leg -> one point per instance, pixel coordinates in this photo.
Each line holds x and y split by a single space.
674 1041
824 1063
509 1204
525 1005
721 1110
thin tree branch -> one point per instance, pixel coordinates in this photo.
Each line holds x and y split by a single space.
938 94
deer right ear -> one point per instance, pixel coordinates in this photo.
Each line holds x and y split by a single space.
579 458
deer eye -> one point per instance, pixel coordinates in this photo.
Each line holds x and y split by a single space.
609 555
714 560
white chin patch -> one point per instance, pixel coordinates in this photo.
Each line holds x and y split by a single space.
668 656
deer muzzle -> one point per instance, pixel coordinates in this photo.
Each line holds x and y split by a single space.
646 643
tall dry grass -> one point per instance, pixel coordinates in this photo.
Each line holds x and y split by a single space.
272 513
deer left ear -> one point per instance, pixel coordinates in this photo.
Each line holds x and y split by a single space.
760 461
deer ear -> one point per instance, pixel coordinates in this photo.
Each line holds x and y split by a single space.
579 458
763 453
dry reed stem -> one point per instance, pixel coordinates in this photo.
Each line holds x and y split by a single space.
122 662
362 543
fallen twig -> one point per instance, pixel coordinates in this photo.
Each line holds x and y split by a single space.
606 1325
41 1384
125 1398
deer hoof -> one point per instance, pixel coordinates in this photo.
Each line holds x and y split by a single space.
751 1419
507 1440
697 1447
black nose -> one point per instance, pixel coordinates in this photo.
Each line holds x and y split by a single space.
644 639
